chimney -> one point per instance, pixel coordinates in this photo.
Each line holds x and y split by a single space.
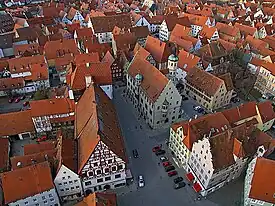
190 119
192 56
88 81
196 116
88 64
71 94
209 134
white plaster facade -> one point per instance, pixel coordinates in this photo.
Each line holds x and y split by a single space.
68 184
104 170
164 33
77 17
49 197
165 110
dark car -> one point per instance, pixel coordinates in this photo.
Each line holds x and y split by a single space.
184 98
160 152
163 159
178 179
179 185
200 110
135 153
17 100
156 148
169 168
22 97
172 173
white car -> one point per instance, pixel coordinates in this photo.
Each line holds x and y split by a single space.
197 108
140 181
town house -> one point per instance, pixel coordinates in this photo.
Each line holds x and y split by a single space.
101 153
259 188
56 112
103 26
29 186
72 16
212 95
151 93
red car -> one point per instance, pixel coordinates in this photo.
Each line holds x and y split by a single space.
156 148
166 164
172 173
17 100
41 139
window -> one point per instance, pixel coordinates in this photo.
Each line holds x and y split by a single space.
67 189
50 195
70 182
114 168
69 177
99 180
118 176
95 164
59 183
26 203
110 161
65 183
62 190
46 202
88 183
34 199
106 170
77 187
107 178
72 188
64 172
51 199
98 172
120 167
75 181
43 198
63 178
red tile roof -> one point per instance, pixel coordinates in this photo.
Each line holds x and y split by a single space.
26 182
83 33
51 107
100 72
16 123
18 162
19 49
39 147
99 199
86 58
246 30
11 83
4 154
187 61
266 111
158 49
38 72
262 184
153 81
200 79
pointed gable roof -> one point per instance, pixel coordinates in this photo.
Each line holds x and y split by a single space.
153 81
86 126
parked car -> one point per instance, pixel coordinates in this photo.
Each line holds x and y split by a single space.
156 148
135 153
172 173
196 108
26 103
160 152
169 168
178 179
163 159
166 164
140 181
200 110
179 185
41 139
11 100
184 98
17 100
22 97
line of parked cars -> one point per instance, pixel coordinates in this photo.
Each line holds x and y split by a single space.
18 99
168 167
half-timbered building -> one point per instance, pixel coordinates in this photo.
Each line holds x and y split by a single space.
101 154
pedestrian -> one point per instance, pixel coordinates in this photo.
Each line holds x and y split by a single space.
158 164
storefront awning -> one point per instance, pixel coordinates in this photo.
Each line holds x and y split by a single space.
197 187
190 176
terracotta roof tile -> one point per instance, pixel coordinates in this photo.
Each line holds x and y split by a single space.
125 41
54 49
100 72
19 49
38 72
140 31
256 43
221 147
180 30
86 126
200 79
86 58
238 148
187 61
16 123
103 24
93 47
196 20
262 184
22 64
153 81
51 107
39 147
271 41
83 33
171 21
158 49
11 83
227 80
99 199
207 32
266 111
4 153
26 182
18 162
228 46
246 30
